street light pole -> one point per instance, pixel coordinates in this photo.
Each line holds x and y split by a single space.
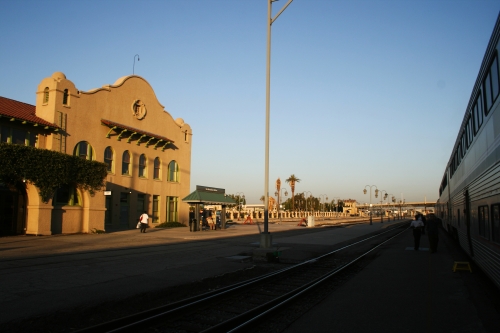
240 195
279 195
310 195
265 237
381 200
336 206
371 211
323 196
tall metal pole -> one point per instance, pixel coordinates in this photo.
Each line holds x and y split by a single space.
265 239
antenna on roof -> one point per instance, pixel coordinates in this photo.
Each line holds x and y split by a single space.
133 67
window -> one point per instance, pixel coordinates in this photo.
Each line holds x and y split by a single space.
108 158
5 134
478 113
156 205
490 86
84 150
483 221
172 215
65 97
68 196
142 165
173 172
17 136
126 163
470 127
46 95
458 217
495 223
157 170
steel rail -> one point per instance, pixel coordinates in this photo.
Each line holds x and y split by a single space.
133 321
274 305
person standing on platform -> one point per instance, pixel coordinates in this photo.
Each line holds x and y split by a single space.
433 223
424 221
417 226
144 221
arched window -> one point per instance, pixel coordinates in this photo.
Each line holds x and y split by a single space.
46 95
173 172
142 166
108 158
65 97
157 170
84 150
126 163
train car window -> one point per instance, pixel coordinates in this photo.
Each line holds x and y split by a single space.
470 131
459 154
463 145
490 86
484 224
458 217
478 113
495 223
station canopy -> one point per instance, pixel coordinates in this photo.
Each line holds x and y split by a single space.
209 196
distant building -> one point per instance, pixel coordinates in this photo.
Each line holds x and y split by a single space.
350 206
147 152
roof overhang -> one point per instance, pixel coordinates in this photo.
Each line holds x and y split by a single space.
209 196
131 133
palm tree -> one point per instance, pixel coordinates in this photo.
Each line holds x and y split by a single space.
292 180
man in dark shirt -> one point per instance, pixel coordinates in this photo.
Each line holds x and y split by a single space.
432 226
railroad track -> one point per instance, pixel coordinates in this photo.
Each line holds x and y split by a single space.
245 304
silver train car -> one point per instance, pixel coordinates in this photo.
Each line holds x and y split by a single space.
469 194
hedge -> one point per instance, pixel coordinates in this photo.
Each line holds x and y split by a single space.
48 170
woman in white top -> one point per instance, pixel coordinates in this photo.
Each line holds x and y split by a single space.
144 221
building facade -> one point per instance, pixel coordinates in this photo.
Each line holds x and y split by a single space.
147 153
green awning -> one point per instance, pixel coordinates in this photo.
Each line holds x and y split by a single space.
209 196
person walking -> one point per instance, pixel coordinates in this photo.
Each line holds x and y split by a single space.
417 226
144 221
433 223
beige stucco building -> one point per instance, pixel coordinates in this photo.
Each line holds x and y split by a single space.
147 151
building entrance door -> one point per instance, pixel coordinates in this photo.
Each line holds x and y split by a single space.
108 216
12 208
124 209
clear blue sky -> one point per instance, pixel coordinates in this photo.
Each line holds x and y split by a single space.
362 92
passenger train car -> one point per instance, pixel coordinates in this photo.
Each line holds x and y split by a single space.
469 195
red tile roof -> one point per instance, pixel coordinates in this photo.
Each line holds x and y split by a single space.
21 111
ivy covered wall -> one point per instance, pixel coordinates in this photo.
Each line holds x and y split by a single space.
48 170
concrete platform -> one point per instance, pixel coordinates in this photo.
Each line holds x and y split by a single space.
404 290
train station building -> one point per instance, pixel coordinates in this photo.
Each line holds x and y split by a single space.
146 150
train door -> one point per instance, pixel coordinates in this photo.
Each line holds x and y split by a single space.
467 216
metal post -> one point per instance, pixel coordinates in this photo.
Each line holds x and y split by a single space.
265 239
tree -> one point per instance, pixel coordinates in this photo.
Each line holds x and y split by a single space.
292 180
